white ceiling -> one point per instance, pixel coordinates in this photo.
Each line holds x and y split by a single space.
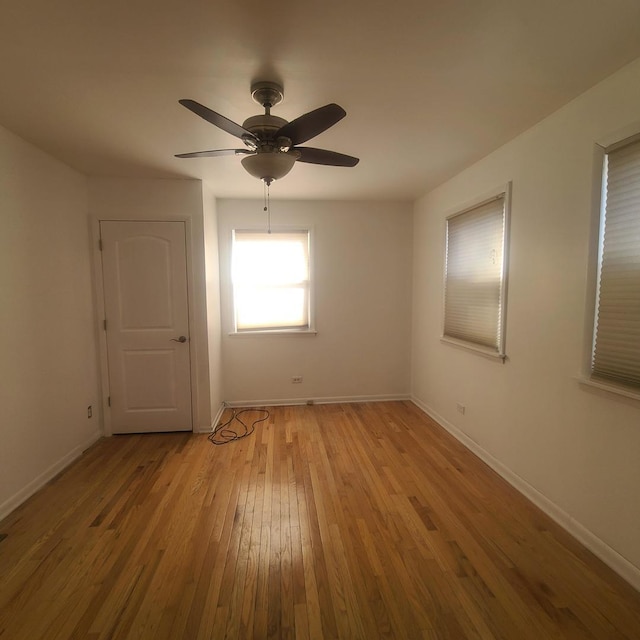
429 86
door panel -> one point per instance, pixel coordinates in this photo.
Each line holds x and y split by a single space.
145 289
145 283
149 394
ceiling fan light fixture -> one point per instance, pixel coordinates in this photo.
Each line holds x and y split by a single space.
272 143
269 166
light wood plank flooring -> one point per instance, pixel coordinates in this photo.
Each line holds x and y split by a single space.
354 521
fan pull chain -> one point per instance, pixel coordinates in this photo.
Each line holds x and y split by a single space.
267 205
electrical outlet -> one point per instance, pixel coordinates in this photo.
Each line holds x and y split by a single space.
89 411
461 408
296 379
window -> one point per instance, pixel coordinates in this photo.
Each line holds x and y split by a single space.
616 341
271 280
474 301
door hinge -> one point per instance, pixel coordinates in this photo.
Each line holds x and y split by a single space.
109 401
104 324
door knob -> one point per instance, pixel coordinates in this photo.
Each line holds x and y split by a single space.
180 339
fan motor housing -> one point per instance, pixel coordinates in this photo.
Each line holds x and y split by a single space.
264 126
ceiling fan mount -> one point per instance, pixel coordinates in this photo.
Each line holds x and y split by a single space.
267 94
272 142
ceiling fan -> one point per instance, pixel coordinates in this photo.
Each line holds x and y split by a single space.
272 142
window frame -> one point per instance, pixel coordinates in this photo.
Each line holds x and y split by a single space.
504 192
308 330
597 229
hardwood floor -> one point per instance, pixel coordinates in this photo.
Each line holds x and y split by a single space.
334 521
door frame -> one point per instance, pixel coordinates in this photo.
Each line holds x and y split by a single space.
99 305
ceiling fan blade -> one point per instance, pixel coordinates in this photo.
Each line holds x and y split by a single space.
214 153
216 119
311 124
322 156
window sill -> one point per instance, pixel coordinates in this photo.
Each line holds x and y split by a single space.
610 387
469 346
274 332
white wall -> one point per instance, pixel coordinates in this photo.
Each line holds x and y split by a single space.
362 282
48 366
131 199
576 446
212 273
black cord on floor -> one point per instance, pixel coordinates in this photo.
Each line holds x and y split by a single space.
224 433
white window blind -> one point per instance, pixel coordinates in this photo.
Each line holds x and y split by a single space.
271 281
616 351
474 279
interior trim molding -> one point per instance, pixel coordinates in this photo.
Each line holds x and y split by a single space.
39 481
215 421
317 400
597 546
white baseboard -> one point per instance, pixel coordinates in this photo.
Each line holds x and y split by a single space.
37 483
218 416
215 420
598 547
284 402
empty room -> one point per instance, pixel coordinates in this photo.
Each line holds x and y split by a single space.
320 321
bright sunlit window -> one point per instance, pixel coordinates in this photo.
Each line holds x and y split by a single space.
271 280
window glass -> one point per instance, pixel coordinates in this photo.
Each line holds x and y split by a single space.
616 345
271 280
474 276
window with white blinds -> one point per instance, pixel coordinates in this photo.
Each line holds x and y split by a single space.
616 345
271 280
475 276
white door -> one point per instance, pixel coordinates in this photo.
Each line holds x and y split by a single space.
144 270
